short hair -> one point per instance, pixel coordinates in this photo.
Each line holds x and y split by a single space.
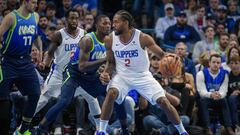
99 18
42 16
71 10
126 16
223 34
229 52
201 6
51 5
214 55
234 59
207 27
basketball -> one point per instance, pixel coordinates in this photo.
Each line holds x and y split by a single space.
170 65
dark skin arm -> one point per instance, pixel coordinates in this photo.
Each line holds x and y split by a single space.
84 65
147 41
110 65
55 42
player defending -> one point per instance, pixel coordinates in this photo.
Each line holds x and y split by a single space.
62 44
18 33
82 71
126 53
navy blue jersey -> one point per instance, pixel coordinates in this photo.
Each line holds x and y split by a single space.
19 38
98 52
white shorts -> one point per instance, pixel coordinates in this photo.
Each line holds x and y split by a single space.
145 85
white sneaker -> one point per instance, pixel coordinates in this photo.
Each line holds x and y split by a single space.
58 131
78 129
117 131
237 130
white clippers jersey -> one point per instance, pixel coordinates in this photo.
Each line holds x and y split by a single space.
130 58
67 47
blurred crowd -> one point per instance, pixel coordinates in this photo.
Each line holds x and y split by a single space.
204 33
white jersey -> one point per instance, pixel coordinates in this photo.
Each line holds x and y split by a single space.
66 48
130 57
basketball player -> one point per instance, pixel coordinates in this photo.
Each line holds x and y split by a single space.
62 44
18 32
82 70
126 53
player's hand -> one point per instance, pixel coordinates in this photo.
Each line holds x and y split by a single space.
105 78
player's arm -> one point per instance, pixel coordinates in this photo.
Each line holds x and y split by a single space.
110 64
55 42
86 46
7 22
147 41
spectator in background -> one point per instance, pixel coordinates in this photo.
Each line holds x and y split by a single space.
2 7
154 64
89 22
12 4
204 45
198 21
237 29
232 8
60 23
222 18
82 13
213 7
220 28
212 85
210 20
222 46
51 12
231 52
191 8
42 4
164 22
43 24
66 5
87 5
181 51
234 92
180 32
148 5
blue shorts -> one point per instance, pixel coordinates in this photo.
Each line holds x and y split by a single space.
88 81
19 71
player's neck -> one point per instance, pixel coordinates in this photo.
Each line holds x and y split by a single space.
72 32
22 10
126 35
100 36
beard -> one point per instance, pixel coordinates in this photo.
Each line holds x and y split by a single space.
118 32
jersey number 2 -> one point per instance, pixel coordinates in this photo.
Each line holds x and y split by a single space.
127 62
27 40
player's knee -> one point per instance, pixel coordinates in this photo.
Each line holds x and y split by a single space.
163 102
112 94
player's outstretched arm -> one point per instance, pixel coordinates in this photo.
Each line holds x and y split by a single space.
147 41
86 46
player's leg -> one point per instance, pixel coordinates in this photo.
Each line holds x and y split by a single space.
117 90
67 92
28 84
7 76
49 91
154 93
93 105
